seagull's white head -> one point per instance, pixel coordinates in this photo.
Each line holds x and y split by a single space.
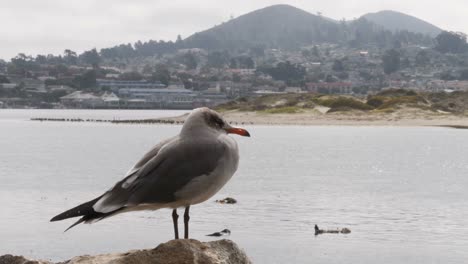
203 119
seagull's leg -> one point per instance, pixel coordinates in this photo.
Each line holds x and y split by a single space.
186 220
175 216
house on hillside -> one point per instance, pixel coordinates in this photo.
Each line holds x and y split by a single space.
330 87
81 99
242 72
110 100
115 85
293 90
157 98
55 88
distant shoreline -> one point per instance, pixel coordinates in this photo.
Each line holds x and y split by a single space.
355 118
311 118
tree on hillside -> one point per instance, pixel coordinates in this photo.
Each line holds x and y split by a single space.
70 57
464 74
451 42
293 74
91 57
391 61
447 76
58 70
22 64
244 62
218 59
122 51
315 51
131 76
4 79
338 65
41 59
179 40
257 51
161 73
147 69
87 81
422 58
189 60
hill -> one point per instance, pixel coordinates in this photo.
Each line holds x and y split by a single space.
287 27
275 26
395 21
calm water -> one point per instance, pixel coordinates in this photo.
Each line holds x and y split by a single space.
401 190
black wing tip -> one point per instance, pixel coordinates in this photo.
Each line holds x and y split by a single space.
76 223
56 218
80 210
62 216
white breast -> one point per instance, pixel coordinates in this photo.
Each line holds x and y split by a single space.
204 187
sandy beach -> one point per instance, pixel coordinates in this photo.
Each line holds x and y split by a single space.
406 117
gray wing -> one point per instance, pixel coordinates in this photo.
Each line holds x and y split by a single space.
149 155
175 164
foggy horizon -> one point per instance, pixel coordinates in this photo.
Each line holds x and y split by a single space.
50 27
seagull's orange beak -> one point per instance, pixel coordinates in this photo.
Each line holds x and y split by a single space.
238 131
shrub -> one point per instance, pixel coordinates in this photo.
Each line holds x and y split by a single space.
376 101
283 110
345 103
408 100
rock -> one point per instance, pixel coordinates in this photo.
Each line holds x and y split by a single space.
224 232
319 231
175 251
345 231
227 200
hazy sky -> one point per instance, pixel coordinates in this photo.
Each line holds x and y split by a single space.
51 26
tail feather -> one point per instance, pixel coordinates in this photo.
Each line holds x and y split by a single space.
86 211
91 218
80 210
81 220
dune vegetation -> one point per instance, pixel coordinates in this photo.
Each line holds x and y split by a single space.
384 102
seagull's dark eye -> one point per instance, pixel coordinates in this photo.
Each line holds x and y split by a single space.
216 121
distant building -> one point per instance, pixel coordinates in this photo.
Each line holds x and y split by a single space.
80 99
330 87
293 90
8 85
110 100
157 98
33 85
113 75
115 85
441 85
242 71
45 78
65 88
211 97
266 92
176 86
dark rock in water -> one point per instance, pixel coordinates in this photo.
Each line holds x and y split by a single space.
227 200
225 232
173 252
345 231
319 231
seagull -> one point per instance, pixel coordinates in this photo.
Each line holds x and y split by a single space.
178 172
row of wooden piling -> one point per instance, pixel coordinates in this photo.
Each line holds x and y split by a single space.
114 121
125 121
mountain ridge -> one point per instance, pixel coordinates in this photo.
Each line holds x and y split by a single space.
394 21
286 26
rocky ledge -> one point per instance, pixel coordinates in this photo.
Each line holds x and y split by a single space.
175 251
